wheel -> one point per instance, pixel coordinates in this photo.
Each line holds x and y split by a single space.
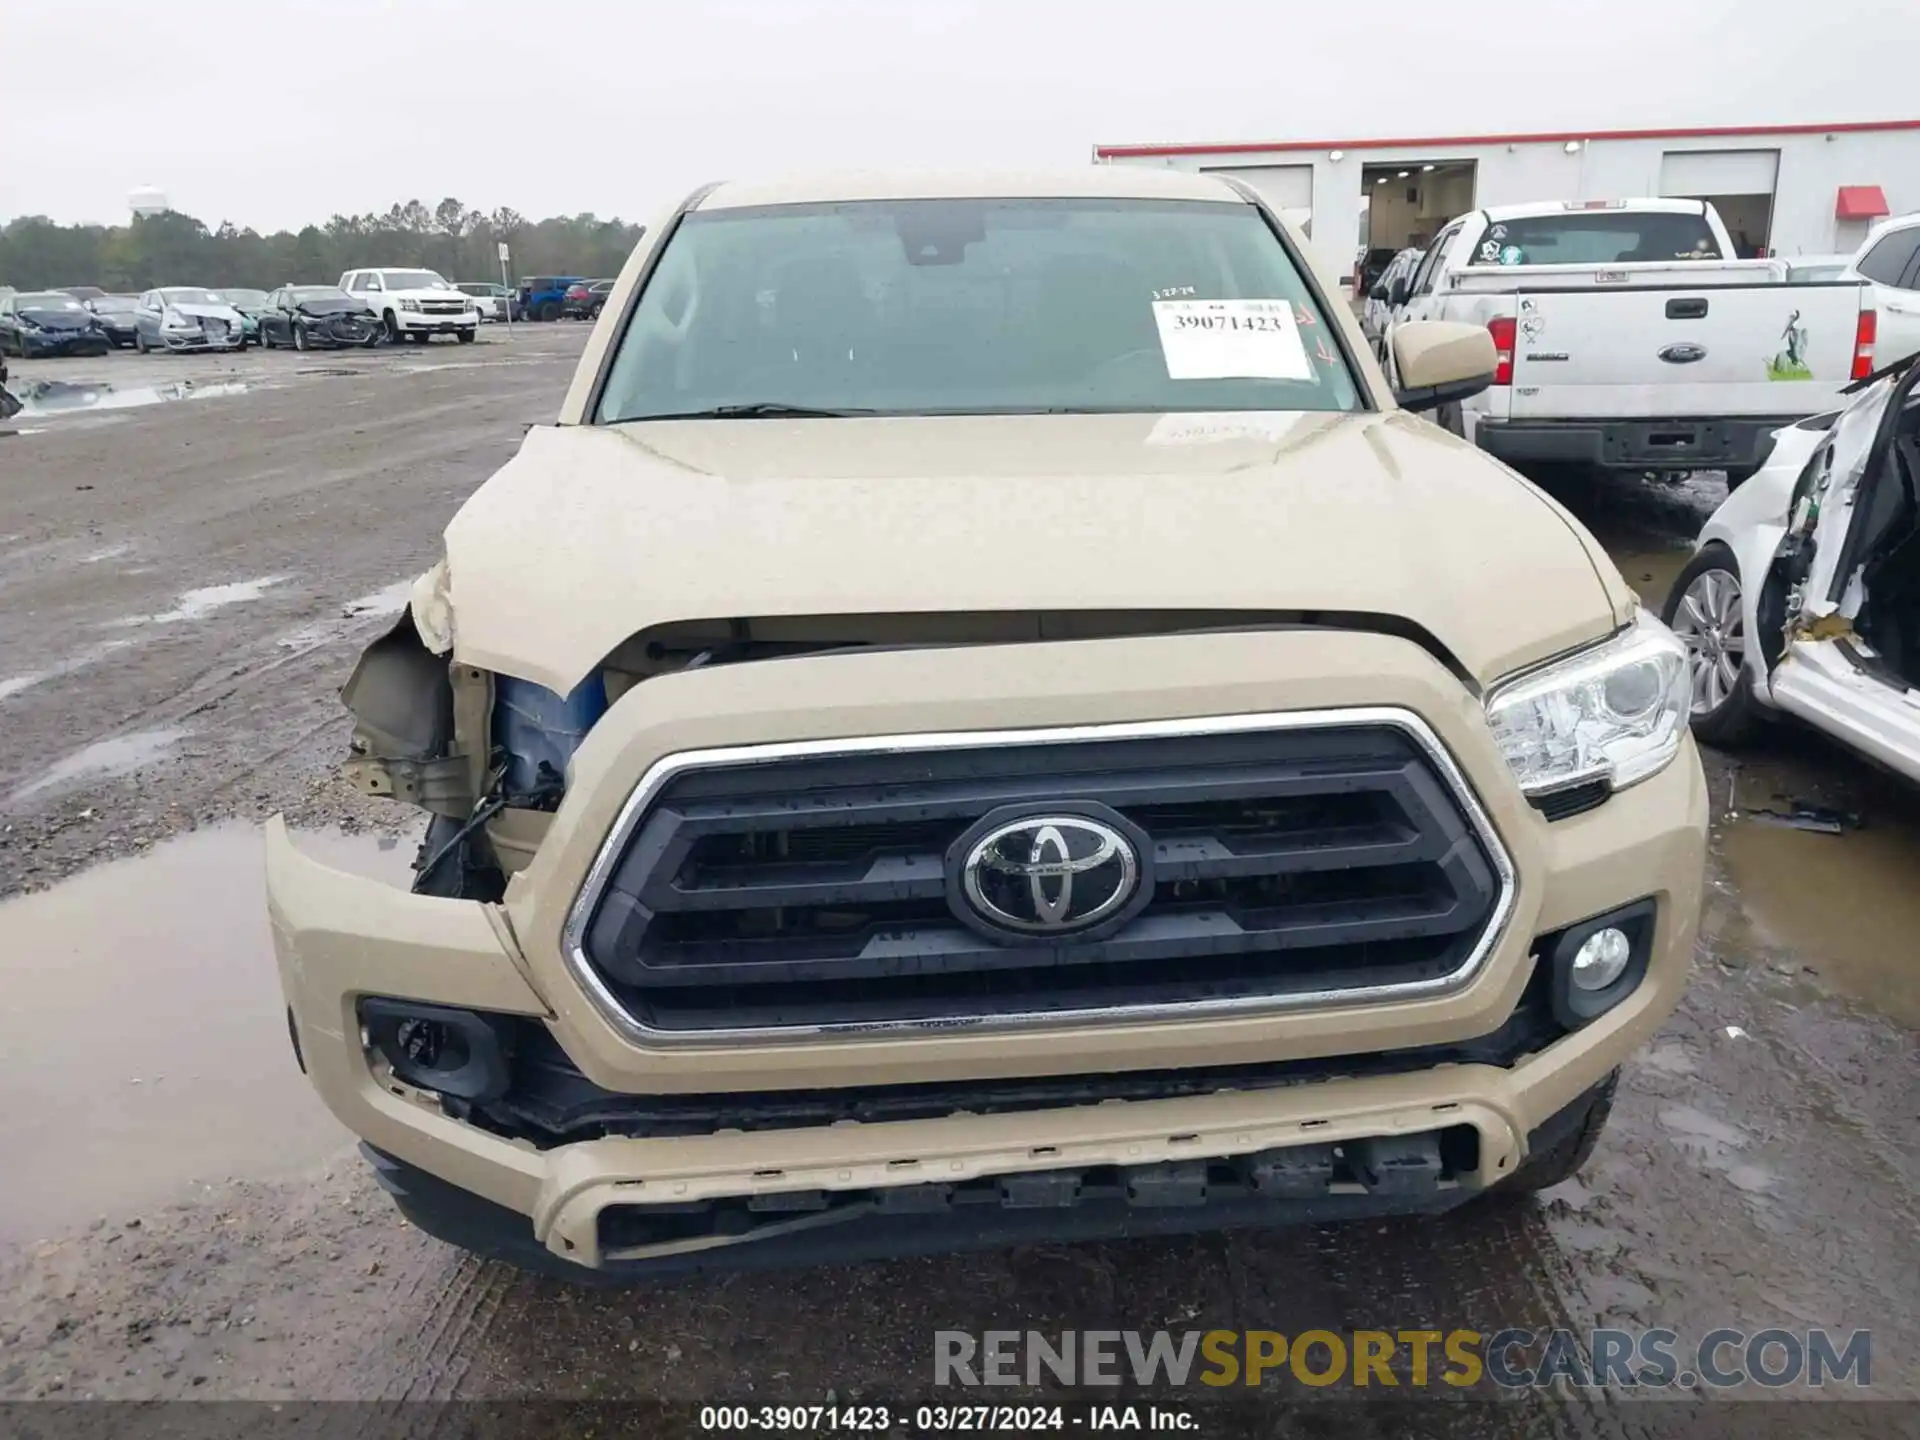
266 338
1562 1158
371 341
300 341
466 337
549 310
139 343
1704 610
393 328
594 313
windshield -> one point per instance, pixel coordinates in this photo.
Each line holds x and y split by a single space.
1598 237
184 296
977 307
301 294
251 298
46 301
413 280
115 304
477 289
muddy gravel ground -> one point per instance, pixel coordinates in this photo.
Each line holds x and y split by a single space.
192 551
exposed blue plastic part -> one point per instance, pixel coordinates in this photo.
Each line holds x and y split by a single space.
534 726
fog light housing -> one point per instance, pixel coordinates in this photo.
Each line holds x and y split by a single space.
1601 959
454 1053
1596 964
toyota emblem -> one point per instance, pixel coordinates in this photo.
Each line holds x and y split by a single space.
1047 874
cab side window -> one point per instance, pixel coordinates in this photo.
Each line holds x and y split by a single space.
1430 266
1890 261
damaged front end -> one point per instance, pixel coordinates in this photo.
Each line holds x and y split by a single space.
485 755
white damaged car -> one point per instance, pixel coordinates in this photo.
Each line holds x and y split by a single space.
184 317
1803 595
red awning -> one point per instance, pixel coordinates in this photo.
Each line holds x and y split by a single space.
1861 202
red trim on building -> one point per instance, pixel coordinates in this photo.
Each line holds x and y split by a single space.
1860 202
1705 132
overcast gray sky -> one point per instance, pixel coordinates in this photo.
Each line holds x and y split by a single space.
272 113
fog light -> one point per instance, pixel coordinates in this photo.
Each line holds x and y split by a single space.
1601 958
455 1053
1593 966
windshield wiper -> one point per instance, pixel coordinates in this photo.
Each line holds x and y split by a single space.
753 410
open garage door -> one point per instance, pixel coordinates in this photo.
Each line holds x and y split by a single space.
1407 203
1739 183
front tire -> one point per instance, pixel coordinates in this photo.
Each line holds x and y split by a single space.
300 341
1705 610
1562 1158
549 311
467 336
392 324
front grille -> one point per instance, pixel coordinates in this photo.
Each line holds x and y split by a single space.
551 1103
442 307
1308 858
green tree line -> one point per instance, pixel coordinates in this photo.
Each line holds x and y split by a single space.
175 249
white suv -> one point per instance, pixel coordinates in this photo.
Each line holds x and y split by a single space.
418 304
1891 261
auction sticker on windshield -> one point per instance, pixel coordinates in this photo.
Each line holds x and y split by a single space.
1231 340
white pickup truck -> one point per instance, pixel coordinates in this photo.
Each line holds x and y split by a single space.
1629 339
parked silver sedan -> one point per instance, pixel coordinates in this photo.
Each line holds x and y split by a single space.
182 317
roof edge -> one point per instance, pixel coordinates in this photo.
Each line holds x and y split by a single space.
1545 137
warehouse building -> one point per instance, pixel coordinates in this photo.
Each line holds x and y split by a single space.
1782 190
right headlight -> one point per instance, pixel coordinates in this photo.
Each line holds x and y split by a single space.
1616 712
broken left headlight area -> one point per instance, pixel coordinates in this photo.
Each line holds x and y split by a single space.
485 755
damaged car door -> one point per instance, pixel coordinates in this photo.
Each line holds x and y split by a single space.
1851 561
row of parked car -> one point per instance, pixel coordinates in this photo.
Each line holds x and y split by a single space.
364 308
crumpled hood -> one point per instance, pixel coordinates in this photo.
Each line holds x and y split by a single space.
199 311
50 319
593 533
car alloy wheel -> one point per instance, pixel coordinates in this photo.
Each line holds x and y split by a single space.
1708 621
299 337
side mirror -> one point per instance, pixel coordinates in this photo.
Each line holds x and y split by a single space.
1441 362
1396 295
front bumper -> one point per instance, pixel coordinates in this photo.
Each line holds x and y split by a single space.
201 340
1681 443
339 938
413 324
47 344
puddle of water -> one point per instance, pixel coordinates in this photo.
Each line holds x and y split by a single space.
389 600
198 604
14 684
44 398
143 1042
104 759
1846 904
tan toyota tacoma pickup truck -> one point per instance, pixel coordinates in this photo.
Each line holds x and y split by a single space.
986 719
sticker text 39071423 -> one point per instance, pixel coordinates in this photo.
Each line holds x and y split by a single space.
1231 340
